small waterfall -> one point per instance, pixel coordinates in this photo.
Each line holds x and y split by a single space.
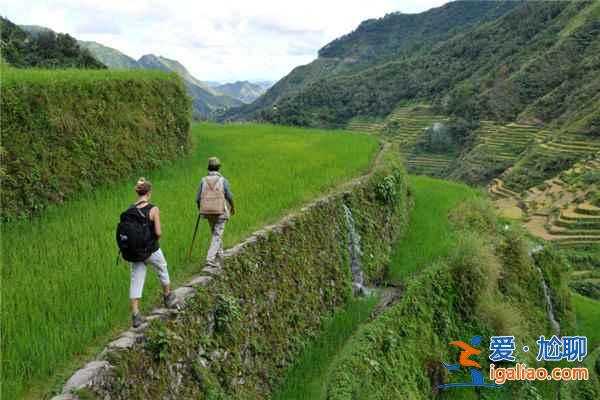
355 252
553 322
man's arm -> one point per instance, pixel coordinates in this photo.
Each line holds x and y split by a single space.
199 193
228 196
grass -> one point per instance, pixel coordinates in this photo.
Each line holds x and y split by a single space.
62 293
307 378
587 314
44 76
429 236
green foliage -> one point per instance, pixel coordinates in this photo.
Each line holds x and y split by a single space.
44 328
70 131
476 214
226 314
44 50
536 166
554 266
591 178
587 287
386 189
159 341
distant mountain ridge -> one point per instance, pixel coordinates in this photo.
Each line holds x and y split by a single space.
208 98
206 103
245 91
110 57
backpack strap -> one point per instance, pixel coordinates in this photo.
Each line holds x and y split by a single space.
214 185
139 210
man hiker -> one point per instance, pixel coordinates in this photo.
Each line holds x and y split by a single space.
137 236
215 203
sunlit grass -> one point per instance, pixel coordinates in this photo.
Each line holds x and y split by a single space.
587 314
307 378
61 290
429 236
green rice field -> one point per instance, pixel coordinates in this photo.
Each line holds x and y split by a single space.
587 315
62 293
307 378
429 236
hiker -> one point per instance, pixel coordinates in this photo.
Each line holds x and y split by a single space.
215 203
138 235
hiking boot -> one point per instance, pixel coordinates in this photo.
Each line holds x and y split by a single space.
169 300
136 320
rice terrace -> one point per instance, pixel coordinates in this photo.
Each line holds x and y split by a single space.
316 200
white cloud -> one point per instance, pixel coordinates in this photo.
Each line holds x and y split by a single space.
224 41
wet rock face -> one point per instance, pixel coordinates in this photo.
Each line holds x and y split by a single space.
355 254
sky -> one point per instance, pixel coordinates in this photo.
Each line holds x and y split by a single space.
220 40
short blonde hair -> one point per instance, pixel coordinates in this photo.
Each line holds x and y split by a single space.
143 186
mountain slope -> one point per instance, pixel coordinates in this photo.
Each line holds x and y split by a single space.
512 68
378 40
205 102
110 57
244 91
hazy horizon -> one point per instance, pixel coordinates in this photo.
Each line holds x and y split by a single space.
224 42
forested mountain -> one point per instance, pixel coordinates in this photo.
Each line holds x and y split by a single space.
42 48
376 41
538 63
242 90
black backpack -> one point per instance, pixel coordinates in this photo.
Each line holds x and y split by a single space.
134 237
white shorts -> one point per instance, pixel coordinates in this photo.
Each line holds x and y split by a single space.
138 273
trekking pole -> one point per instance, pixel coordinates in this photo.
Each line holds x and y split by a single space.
189 256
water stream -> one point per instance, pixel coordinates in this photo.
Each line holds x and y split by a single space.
549 306
355 252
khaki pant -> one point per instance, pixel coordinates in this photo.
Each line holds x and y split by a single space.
215 250
138 273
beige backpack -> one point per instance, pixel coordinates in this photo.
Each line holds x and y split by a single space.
212 198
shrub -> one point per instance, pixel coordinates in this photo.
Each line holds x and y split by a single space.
476 215
69 131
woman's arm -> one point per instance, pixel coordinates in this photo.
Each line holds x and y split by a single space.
155 217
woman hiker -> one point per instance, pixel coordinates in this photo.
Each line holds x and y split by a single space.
143 188
215 203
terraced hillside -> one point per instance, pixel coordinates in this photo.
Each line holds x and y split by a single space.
496 149
406 125
564 210
362 125
552 153
506 142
